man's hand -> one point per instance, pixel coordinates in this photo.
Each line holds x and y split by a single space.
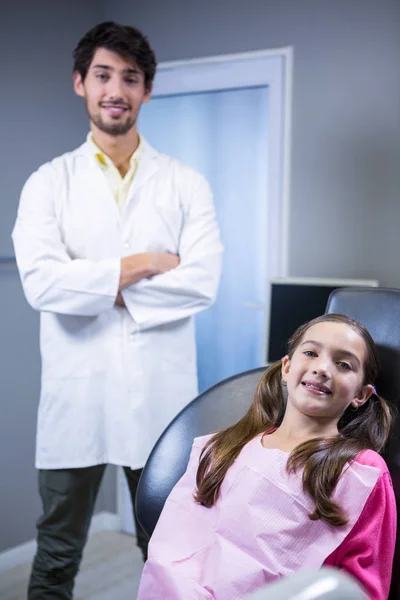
139 266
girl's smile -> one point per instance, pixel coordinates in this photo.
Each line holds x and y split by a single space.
314 387
325 373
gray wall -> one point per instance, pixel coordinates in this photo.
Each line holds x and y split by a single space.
40 118
345 156
345 209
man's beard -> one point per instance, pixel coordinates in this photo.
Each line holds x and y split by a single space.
117 128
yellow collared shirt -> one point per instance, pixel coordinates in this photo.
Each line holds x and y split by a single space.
119 185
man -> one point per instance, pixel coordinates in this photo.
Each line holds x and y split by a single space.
117 247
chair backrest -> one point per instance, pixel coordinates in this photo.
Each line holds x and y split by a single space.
220 406
378 309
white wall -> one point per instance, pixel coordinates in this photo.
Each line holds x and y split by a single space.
345 201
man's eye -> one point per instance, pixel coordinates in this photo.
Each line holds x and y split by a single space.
101 76
131 81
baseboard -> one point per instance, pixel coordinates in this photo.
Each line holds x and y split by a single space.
104 521
17 556
24 553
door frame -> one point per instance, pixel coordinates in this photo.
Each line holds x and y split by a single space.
271 68
274 69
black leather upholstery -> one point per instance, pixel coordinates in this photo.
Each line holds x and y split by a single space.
378 309
216 408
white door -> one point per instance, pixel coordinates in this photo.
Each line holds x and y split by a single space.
226 118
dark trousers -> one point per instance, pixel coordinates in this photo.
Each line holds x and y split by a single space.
68 499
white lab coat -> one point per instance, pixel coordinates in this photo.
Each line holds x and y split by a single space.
113 378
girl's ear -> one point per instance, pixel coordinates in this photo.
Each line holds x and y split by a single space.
363 395
285 366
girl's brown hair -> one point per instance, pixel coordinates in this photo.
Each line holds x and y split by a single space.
322 459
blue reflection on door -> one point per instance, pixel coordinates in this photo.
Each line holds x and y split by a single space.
223 135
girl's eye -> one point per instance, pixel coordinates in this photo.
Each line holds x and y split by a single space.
344 365
310 353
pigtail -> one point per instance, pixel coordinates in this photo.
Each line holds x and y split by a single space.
323 460
266 411
370 424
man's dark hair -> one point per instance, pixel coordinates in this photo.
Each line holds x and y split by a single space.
126 41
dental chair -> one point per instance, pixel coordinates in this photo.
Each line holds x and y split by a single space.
225 403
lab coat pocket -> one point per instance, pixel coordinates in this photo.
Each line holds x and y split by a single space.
176 344
65 346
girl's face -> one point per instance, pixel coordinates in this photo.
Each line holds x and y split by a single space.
326 372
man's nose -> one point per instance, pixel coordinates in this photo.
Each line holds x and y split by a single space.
114 89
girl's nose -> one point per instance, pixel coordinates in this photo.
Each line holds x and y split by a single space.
321 369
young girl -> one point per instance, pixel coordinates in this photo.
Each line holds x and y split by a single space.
296 483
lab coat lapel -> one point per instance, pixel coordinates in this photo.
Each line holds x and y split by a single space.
94 180
147 167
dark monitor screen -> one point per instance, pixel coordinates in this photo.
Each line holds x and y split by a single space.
291 306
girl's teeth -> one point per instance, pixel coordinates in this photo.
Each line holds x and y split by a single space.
314 387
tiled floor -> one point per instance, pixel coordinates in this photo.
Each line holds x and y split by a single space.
111 570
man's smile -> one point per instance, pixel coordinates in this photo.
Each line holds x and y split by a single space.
115 109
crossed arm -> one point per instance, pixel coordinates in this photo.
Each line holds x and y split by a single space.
141 266
156 287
